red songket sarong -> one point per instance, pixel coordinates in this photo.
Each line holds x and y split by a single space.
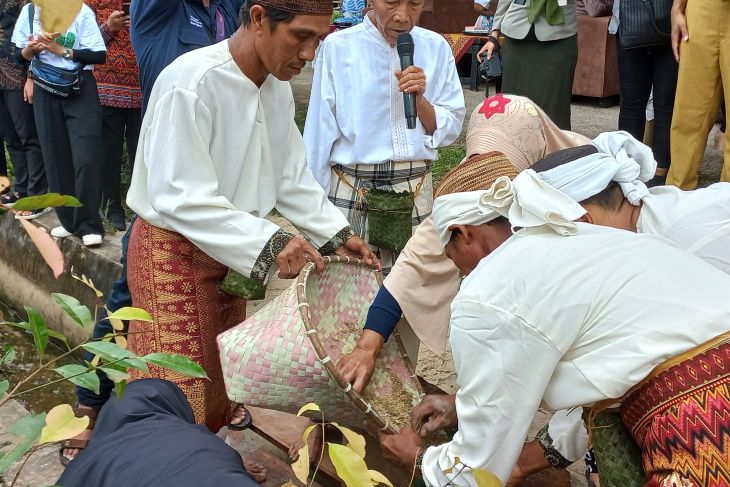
177 284
680 417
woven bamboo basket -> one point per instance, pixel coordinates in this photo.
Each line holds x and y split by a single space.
284 356
617 455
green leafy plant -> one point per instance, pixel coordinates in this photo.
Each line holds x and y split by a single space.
110 356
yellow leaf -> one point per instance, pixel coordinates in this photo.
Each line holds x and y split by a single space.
379 478
117 324
58 15
351 469
121 341
289 484
308 407
89 283
354 441
61 424
485 478
95 361
301 466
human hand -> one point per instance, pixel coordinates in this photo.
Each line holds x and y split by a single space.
356 248
48 40
434 413
403 447
117 21
292 259
35 46
488 48
412 80
358 366
680 33
28 91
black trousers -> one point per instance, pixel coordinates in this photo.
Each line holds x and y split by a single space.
18 130
640 70
119 123
70 133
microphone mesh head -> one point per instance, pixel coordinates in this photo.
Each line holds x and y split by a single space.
405 43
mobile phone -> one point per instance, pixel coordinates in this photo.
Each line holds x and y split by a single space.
125 7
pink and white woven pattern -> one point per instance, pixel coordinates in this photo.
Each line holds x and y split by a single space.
271 360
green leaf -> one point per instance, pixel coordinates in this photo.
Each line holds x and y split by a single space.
62 424
129 314
80 376
301 466
50 200
120 387
355 441
176 363
4 386
26 326
24 434
111 352
351 469
8 355
308 407
38 328
115 375
77 311
485 478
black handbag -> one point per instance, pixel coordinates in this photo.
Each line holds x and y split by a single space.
645 23
491 69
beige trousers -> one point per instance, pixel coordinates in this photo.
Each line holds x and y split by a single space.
704 74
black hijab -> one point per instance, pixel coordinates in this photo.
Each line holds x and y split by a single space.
149 438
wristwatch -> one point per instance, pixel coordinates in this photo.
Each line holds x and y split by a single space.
67 53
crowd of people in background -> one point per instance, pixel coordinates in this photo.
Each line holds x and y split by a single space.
128 87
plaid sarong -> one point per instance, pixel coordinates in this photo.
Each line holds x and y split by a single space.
349 182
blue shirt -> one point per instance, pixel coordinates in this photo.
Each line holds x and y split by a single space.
163 30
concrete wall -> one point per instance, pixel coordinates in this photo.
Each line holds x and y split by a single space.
25 279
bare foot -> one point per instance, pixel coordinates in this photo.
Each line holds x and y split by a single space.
4 182
70 453
256 471
239 414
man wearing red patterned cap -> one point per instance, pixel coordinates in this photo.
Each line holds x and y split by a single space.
218 151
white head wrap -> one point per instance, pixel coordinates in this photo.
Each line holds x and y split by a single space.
620 158
526 201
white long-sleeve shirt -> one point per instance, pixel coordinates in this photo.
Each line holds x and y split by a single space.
356 113
567 321
217 154
696 221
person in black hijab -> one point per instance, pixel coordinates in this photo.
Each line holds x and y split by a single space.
149 438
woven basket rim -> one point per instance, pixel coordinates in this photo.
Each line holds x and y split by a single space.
324 358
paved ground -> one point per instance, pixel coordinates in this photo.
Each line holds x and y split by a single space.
588 119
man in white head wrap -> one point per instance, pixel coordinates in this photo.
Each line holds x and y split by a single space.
607 178
554 312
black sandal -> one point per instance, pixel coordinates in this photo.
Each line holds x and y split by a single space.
243 425
79 412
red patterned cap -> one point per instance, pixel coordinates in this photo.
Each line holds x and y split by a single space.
301 7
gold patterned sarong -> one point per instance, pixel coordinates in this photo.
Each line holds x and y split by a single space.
177 284
680 417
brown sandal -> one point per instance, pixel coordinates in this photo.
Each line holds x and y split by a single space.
80 411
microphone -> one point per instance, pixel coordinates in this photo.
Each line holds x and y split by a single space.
405 51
